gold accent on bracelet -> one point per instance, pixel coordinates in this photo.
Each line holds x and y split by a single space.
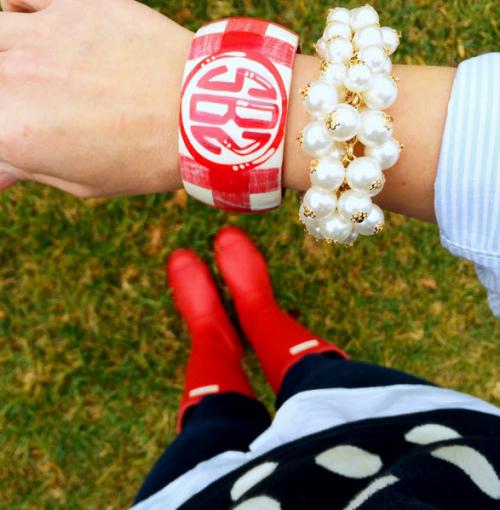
304 91
334 38
342 188
388 121
331 123
300 137
354 99
314 165
309 213
359 217
376 185
349 151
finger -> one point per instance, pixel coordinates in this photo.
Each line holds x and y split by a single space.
75 189
14 29
6 180
24 5
9 175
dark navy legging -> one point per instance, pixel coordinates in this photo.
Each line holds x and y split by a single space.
229 421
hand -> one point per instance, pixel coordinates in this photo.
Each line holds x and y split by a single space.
89 95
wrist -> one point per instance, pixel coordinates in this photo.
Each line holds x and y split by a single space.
296 162
168 176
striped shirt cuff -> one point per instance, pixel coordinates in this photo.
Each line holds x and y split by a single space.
467 198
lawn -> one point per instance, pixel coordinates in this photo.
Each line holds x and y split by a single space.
92 351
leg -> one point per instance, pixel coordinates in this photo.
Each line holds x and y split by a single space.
214 364
318 371
218 411
227 421
278 340
294 359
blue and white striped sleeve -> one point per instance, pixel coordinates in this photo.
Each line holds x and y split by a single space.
467 198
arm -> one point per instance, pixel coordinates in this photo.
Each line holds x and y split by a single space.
83 118
419 116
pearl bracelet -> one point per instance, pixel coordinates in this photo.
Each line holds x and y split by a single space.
346 105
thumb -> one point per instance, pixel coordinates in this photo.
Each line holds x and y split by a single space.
24 5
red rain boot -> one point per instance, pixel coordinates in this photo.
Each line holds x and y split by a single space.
214 364
278 339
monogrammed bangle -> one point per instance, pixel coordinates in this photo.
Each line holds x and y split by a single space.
233 113
346 104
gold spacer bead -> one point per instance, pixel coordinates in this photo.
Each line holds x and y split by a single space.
331 122
314 165
354 99
343 187
359 217
304 91
300 137
388 121
309 213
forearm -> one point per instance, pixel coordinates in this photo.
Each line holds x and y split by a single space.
60 91
419 116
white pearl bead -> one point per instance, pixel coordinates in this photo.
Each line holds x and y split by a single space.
390 39
339 14
315 231
363 16
375 127
382 93
358 78
364 174
375 58
333 73
387 67
342 93
337 151
343 122
386 154
368 36
327 173
337 30
316 140
373 224
351 239
339 50
354 205
320 201
335 227
320 98
321 48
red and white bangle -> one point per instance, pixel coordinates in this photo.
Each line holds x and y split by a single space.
233 113
346 104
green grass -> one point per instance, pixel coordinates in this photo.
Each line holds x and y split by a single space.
92 352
